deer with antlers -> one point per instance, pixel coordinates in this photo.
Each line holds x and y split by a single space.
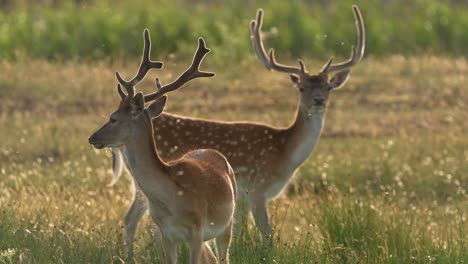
190 199
263 157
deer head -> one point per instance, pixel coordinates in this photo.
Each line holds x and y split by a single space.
129 119
314 88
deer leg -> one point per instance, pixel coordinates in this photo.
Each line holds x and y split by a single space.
196 245
170 250
223 242
133 217
261 217
208 255
241 214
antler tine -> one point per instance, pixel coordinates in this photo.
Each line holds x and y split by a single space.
327 65
285 68
268 61
302 65
257 41
191 73
145 65
121 92
158 83
356 53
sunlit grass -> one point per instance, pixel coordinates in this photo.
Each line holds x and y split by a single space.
387 183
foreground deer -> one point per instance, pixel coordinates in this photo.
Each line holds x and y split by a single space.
190 199
263 157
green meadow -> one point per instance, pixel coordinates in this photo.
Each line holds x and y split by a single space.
387 182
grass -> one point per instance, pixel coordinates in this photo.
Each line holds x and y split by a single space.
387 183
95 30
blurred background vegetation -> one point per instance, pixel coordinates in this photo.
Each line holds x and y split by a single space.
94 30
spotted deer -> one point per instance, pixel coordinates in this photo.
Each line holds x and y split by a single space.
190 199
264 157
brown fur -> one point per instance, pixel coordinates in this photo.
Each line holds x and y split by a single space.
191 199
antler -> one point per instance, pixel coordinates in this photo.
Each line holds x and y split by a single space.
356 53
269 61
191 73
145 66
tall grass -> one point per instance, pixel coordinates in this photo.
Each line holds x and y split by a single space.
109 29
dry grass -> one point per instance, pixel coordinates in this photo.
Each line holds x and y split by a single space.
387 182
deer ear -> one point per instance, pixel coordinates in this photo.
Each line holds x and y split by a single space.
137 104
339 79
156 108
294 78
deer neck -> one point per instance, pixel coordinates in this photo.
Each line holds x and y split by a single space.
303 135
147 168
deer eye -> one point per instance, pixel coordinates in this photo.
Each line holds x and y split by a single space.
113 120
301 89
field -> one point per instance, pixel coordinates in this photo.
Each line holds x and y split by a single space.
387 183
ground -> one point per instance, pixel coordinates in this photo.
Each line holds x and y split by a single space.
387 183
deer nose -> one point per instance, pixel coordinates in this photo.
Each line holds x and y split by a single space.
92 139
319 101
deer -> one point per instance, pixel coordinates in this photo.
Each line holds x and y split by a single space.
264 157
191 199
